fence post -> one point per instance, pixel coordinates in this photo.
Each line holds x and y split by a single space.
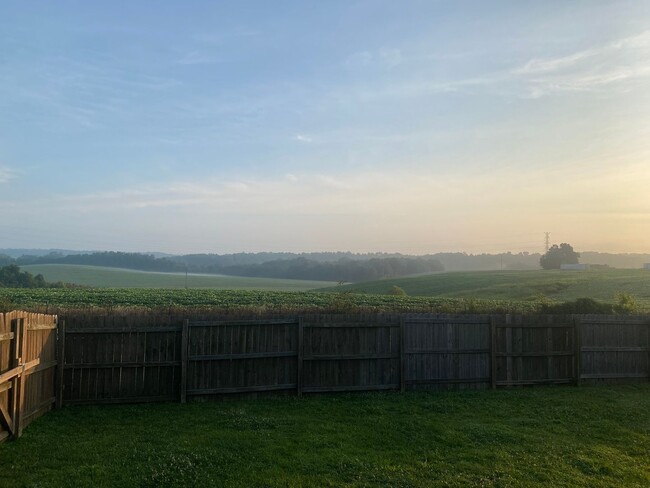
493 353
60 362
184 347
299 373
19 395
577 339
402 365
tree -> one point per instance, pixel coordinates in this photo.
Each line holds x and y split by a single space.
558 255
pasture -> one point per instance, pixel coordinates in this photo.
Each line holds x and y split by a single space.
591 436
103 277
602 285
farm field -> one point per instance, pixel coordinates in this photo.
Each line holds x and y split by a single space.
601 285
592 436
58 300
99 276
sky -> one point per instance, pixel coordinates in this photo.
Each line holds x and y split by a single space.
366 126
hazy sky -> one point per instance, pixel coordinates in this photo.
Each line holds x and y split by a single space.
410 126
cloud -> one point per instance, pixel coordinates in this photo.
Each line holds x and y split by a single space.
621 62
303 138
6 174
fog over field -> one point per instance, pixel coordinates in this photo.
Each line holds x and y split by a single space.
401 127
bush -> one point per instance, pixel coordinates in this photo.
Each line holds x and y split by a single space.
397 291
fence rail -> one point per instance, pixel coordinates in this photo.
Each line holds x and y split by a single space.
148 358
28 358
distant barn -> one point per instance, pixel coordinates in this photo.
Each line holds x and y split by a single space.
646 266
574 267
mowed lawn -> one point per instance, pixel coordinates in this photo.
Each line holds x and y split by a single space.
104 277
601 285
565 436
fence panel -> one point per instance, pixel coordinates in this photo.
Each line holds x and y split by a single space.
535 350
614 349
27 369
350 353
446 351
242 356
121 359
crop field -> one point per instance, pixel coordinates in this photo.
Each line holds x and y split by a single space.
98 276
601 285
57 300
592 436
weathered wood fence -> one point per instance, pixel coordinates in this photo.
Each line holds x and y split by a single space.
27 369
148 358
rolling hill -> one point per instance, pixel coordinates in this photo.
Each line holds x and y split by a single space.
103 277
601 285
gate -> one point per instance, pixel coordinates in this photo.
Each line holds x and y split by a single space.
27 369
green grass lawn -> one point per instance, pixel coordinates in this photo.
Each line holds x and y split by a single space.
126 278
600 285
591 436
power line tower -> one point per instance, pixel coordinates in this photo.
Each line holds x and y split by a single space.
547 239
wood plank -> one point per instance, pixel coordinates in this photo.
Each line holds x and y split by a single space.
20 389
444 381
349 325
123 330
122 400
597 376
402 359
6 336
226 323
151 364
241 389
184 353
325 389
349 357
448 351
5 419
560 381
534 326
60 357
36 366
614 349
247 355
577 344
493 354
534 354
11 374
41 326
300 359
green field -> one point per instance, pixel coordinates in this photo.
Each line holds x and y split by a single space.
126 278
601 285
61 300
591 437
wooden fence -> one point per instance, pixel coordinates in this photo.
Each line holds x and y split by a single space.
149 358
27 369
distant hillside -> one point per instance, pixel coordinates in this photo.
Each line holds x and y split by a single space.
517 285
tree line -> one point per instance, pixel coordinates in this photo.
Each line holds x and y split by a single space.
322 266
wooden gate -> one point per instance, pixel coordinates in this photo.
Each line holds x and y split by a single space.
27 369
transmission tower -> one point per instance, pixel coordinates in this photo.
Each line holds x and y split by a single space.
547 238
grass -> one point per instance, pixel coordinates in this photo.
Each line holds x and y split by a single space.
104 277
591 436
601 285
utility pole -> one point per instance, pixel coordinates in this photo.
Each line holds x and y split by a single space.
186 276
547 238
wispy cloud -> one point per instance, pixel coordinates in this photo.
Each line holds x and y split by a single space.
6 174
620 62
303 138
